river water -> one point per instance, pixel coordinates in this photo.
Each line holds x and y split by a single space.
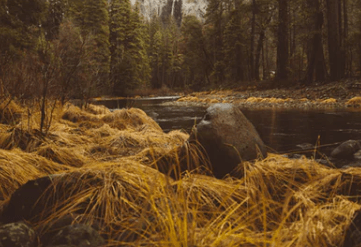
283 131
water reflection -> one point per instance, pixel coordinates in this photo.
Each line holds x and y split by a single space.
283 130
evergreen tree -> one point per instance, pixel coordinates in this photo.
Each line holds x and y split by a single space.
20 23
156 56
165 57
96 23
17 21
195 66
54 18
214 21
128 40
234 54
92 17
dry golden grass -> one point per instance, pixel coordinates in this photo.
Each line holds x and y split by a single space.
214 101
329 101
75 115
17 167
273 100
355 101
107 160
304 100
97 109
190 99
253 100
10 111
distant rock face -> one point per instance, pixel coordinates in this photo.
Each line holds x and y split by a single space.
228 138
177 8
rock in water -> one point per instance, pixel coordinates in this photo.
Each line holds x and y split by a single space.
228 138
17 234
77 235
346 150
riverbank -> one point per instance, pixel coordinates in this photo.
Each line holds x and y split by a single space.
106 166
338 95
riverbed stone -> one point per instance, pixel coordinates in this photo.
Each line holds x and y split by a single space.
51 228
17 234
346 150
79 235
228 138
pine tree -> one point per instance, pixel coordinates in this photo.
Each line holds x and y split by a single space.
214 20
16 19
129 58
234 54
96 23
195 66
156 55
19 28
92 17
54 18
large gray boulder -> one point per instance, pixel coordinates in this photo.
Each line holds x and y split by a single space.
228 138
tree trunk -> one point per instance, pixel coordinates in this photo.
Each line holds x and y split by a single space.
348 65
253 31
264 74
258 54
260 46
333 40
282 44
316 59
267 63
342 39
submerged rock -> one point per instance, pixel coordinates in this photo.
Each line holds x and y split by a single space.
306 146
51 228
17 234
228 138
77 235
346 150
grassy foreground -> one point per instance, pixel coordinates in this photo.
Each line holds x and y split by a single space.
279 202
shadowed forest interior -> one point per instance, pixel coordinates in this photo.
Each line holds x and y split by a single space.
82 49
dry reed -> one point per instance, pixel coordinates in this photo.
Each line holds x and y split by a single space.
107 160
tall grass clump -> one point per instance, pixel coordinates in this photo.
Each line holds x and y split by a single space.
142 187
10 111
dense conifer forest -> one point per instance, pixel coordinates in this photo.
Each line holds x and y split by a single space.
82 49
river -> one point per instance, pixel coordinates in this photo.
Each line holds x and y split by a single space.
281 130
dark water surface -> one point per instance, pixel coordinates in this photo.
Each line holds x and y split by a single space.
281 130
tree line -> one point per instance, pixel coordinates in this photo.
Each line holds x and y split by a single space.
87 48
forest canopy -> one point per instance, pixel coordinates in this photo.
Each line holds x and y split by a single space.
88 48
